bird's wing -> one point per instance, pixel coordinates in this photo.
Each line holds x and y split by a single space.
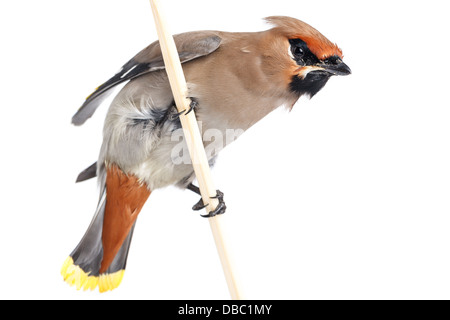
190 46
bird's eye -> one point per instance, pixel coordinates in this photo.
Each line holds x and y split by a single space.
298 51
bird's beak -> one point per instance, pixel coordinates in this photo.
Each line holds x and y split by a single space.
335 66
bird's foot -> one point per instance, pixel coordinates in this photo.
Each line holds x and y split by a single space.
220 209
192 106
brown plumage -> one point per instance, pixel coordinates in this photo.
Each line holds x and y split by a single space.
126 197
235 79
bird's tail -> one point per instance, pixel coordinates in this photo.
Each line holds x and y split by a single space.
82 268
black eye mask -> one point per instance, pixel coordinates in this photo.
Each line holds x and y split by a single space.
301 53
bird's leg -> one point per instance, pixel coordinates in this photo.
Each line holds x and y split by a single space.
221 208
194 189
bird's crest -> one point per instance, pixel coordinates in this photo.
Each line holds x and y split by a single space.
292 28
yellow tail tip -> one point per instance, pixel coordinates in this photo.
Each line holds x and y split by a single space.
75 276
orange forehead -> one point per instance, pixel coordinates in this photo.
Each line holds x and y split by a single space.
293 28
321 47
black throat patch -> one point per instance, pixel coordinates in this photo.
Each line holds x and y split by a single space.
311 84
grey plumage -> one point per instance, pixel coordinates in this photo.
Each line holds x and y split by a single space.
88 173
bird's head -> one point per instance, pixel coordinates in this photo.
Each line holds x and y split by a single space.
303 55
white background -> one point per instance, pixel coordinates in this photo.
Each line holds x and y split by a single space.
346 197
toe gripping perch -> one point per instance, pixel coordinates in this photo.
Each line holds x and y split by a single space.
221 207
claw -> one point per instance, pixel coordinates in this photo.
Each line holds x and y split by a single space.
199 206
221 208
219 195
192 106
176 115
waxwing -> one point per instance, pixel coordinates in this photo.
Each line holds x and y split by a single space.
234 80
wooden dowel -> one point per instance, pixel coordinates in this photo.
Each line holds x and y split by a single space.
194 141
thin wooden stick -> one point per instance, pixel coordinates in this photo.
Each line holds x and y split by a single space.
194 141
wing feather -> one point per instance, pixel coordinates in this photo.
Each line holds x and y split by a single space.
190 46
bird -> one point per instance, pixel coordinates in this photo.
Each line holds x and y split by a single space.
234 80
